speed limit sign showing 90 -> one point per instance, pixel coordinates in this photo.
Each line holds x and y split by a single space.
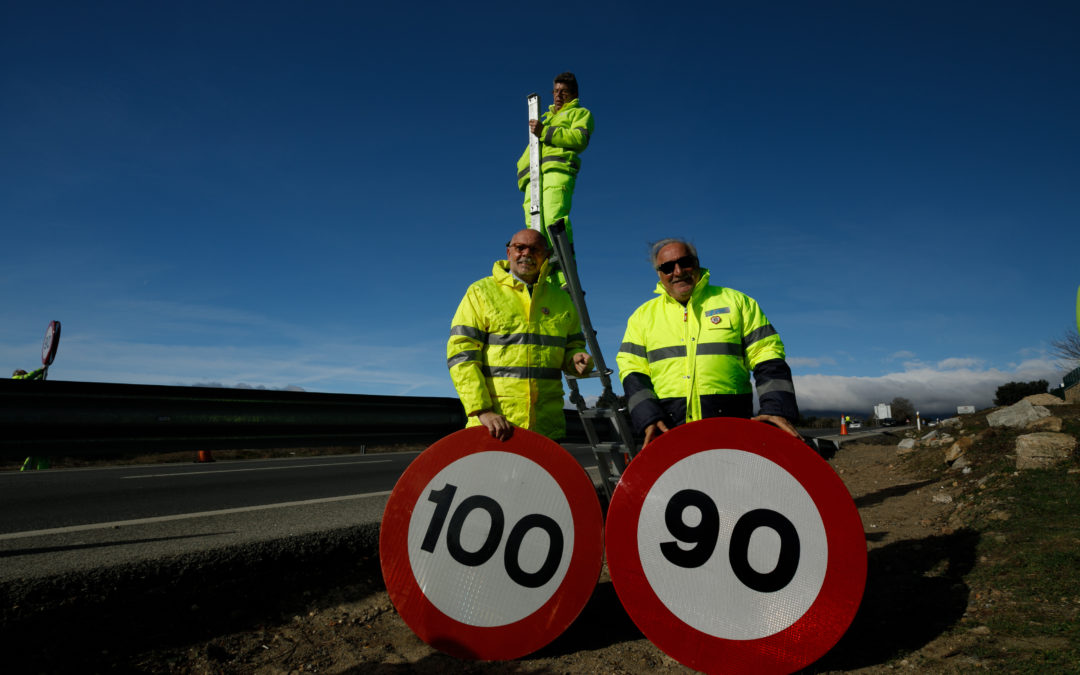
735 548
491 549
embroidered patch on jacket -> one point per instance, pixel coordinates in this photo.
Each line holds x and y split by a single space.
718 310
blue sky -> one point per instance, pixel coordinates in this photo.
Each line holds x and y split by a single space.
296 194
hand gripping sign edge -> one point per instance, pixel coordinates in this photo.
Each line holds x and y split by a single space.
831 611
526 635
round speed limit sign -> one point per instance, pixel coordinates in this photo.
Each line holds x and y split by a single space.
734 547
491 549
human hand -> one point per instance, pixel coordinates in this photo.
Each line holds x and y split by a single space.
583 363
497 425
652 431
779 422
536 127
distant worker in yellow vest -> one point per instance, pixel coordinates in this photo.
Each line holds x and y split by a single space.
31 463
512 337
564 134
688 353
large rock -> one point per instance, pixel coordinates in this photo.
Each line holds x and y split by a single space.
905 446
958 449
1017 415
1043 399
1045 424
1043 449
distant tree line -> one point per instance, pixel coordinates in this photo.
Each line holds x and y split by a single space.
1010 393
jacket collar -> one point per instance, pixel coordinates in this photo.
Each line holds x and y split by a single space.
573 103
502 274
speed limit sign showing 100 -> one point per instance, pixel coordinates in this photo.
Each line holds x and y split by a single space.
736 548
491 549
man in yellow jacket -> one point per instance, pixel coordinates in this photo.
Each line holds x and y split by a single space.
512 337
31 463
688 353
564 134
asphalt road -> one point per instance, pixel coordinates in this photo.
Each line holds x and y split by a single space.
67 520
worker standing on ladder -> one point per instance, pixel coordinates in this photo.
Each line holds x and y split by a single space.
688 353
512 337
564 134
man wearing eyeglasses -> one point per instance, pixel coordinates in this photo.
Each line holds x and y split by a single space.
513 336
688 353
564 134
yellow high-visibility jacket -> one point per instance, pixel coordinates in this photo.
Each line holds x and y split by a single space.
508 349
680 364
566 134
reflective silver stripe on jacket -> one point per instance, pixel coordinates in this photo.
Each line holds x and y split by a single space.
632 349
776 385
719 349
640 397
526 339
504 339
522 372
759 334
462 357
655 355
470 332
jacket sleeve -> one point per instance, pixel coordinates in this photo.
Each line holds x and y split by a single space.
636 377
772 375
468 335
575 344
576 137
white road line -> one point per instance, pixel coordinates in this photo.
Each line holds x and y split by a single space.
184 516
259 468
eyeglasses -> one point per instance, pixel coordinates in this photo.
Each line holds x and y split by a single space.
687 262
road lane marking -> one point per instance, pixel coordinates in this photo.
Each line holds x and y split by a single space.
184 516
259 468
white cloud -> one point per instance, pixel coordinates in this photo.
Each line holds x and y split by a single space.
958 363
938 390
902 354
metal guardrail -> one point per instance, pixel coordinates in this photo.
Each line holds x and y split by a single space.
79 418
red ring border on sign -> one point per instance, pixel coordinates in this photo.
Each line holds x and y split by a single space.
810 636
50 343
553 617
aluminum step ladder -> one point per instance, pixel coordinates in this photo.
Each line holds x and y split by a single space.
611 456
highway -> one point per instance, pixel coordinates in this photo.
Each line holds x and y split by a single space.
69 520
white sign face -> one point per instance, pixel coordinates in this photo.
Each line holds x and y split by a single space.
719 519
490 538
965 409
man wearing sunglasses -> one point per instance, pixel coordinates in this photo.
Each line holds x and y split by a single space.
688 353
513 336
564 134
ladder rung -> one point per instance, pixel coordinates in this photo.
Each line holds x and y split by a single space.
595 373
609 446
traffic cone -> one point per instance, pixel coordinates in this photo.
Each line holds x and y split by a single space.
205 456
843 427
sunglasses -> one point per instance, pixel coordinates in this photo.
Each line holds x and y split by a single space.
686 262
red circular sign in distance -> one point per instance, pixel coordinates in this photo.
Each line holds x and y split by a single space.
795 615
447 603
50 343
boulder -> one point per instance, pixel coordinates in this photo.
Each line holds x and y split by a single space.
1019 414
905 446
1045 424
958 449
1043 399
930 436
1043 449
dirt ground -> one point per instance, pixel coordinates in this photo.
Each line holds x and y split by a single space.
914 600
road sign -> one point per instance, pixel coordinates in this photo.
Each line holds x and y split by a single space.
491 549
50 344
733 546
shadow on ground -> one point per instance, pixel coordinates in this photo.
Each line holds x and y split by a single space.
915 591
